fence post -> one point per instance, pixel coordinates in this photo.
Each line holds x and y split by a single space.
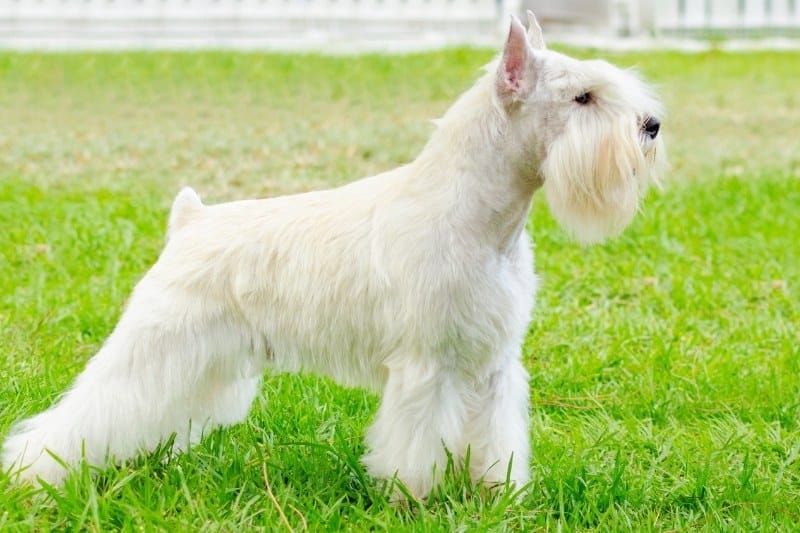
506 8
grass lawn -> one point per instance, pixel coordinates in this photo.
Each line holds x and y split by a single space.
665 365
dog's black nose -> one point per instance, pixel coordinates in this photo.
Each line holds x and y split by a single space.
651 126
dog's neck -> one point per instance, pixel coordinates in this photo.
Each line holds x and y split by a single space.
468 156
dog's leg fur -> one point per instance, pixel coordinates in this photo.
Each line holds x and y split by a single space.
497 432
166 363
422 412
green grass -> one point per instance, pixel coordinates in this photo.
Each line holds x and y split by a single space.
665 365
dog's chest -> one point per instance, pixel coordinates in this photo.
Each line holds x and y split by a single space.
467 309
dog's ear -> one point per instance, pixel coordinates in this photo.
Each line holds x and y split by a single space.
535 32
514 74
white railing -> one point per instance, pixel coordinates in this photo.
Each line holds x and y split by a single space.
691 18
292 24
728 17
342 25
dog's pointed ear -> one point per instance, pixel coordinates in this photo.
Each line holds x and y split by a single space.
535 32
514 75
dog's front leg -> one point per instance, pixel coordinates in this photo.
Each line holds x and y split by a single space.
421 416
498 432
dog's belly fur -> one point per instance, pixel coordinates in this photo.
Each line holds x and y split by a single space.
341 295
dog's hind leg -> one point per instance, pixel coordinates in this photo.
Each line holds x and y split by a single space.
226 394
138 389
498 432
421 416
227 402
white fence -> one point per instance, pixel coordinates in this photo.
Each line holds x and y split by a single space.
690 18
336 25
288 24
728 17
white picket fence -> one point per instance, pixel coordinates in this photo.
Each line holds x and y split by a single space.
283 24
728 17
335 25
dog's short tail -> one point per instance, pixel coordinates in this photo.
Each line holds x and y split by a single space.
185 207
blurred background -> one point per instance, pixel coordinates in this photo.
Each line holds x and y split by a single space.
665 368
346 25
273 96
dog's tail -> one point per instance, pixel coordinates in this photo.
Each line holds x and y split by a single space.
185 207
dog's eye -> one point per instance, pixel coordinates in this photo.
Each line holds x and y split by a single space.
584 98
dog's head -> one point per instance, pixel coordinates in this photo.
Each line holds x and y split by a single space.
588 131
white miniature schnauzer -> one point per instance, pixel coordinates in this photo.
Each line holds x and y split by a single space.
417 283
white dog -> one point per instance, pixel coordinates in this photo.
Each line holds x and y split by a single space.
417 283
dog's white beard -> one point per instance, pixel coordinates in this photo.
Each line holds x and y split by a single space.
595 193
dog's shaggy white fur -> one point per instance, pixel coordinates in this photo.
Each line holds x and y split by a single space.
417 283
